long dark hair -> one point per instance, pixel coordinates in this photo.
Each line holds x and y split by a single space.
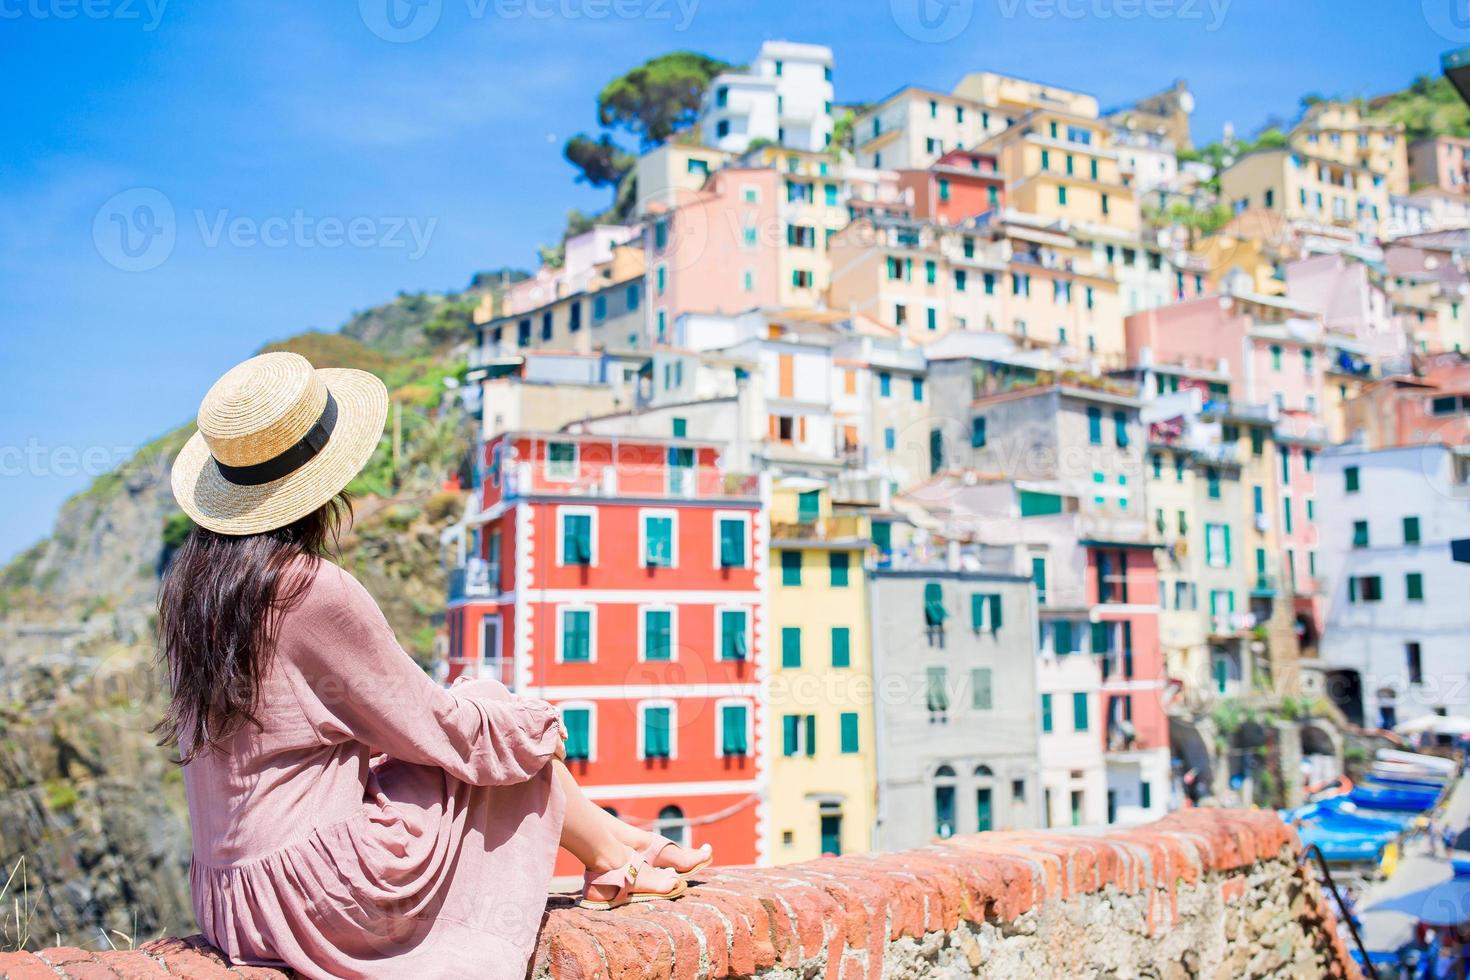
219 615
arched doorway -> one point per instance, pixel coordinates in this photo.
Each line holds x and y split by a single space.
984 798
944 793
671 824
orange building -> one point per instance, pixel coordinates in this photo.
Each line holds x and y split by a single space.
621 579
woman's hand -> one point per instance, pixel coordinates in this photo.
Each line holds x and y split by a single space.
561 743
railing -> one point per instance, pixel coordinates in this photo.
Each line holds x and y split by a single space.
476 578
822 529
1313 851
678 482
1264 585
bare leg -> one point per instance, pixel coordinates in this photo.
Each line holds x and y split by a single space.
600 840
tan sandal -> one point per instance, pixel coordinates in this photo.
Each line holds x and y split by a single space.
656 847
626 879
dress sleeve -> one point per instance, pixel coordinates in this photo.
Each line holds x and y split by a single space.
362 686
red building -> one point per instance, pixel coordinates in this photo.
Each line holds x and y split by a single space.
1122 580
621 579
957 187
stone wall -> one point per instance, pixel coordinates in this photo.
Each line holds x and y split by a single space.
1201 893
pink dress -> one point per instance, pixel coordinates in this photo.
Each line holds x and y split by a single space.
433 863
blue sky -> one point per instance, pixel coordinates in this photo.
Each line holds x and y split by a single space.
314 167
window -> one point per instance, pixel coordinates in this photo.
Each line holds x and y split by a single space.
734 736
1414 586
546 325
790 568
791 646
578 723
841 646
798 735
599 308
977 432
1350 479
1217 545
980 698
657 642
960 279
985 611
943 189
1038 579
1212 483
1094 425
937 691
561 461
658 540
1079 711
1120 428
576 636
934 611
577 541
1411 530
838 562
1360 534
657 732
918 388
1414 655
885 384
1367 588
734 635
890 439
1046 723
848 723
1062 195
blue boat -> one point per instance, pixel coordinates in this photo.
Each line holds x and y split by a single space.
1377 797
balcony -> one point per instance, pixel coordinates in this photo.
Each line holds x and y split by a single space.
475 579
845 527
677 482
1264 586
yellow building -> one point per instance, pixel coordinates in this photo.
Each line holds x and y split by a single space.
1059 165
670 174
812 208
1308 188
823 761
1018 96
1339 132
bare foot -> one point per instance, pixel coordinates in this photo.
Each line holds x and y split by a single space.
681 859
648 879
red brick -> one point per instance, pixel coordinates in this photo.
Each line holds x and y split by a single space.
24 966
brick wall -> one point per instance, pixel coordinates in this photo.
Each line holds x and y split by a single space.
1213 893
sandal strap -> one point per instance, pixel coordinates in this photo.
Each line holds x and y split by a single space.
623 877
655 848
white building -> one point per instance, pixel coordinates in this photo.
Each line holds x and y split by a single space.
1397 615
785 98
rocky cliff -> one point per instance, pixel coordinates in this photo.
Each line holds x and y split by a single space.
94 844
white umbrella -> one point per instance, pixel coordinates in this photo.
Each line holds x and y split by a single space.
1437 724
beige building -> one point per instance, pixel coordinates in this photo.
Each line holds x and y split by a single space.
1309 188
1018 96
1339 132
670 174
604 308
915 126
1060 165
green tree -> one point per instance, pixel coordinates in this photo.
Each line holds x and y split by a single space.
659 96
601 161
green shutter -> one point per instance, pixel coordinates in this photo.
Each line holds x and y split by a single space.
790 646
995 617
658 548
936 689
1038 577
656 733
934 612
576 539
980 688
1046 712
790 568
1061 632
808 506
977 611
732 717
1101 638
811 735
1414 585
790 734
732 635
1411 530
883 535
579 736
1350 479
849 732
1094 426
658 630
732 543
1079 711
576 635
839 562
841 649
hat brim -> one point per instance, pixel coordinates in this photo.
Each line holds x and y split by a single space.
215 503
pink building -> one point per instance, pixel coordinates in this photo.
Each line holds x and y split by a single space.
1299 440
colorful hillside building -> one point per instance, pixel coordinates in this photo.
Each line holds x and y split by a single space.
621 579
820 718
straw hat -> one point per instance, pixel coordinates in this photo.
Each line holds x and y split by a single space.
277 439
